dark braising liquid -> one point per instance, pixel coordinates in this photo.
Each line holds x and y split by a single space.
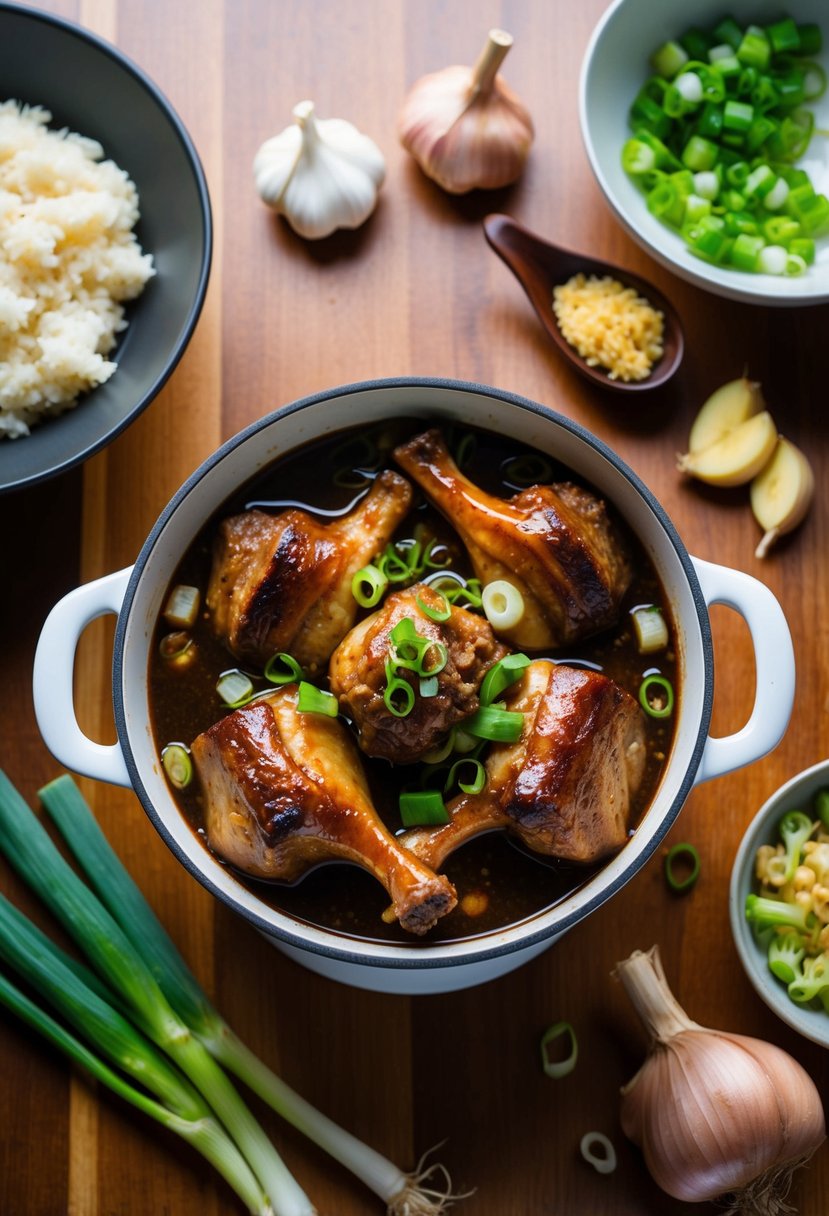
324 476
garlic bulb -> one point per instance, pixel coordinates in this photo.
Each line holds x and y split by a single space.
320 173
465 127
715 1113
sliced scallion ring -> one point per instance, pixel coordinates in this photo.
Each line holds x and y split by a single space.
498 725
182 607
473 786
434 605
438 754
368 585
687 857
650 628
503 604
176 762
282 668
235 688
530 469
313 700
598 1151
174 646
398 696
501 676
656 696
422 808
560 1067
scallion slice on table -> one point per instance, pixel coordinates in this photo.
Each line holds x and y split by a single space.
402 1193
558 1068
682 867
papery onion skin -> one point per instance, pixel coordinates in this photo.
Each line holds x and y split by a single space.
465 127
715 1113
691 1153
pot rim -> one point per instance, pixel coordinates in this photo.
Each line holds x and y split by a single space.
474 948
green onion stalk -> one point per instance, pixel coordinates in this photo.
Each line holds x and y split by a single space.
114 956
405 1194
176 1103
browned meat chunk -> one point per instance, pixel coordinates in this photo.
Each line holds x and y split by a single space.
283 582
555 543
284 791
565 788
358 677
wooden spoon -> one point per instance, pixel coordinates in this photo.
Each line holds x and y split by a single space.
540 266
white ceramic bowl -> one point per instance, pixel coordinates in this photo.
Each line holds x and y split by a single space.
614 69
796 794
136 596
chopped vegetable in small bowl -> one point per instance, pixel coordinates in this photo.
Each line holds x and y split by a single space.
706 133
779 902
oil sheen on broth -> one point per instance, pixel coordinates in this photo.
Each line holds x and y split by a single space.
498 881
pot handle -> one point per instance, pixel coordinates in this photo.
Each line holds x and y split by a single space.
774 659
53 679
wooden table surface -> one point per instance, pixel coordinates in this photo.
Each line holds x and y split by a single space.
416 291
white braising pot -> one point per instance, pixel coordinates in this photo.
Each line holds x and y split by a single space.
135 595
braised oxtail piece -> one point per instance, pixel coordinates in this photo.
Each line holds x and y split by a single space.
285 791
283 582
555 543
358 676
565 788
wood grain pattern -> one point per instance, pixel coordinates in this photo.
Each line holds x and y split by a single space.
416 291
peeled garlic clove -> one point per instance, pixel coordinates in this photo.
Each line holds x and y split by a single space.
321 174
781 493
724 410
465 127
737 457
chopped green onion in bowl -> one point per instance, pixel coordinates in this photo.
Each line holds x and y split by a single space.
713 106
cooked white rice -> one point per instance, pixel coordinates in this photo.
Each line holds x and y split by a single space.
68 257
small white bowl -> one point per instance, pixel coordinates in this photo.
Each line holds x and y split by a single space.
614 69
796 794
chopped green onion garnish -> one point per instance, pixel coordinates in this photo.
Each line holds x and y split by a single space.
650 629
283 669
438 609
174 646
532 469
656 696
368 585
175 759
501 676
182 607
438 754
473 784
686 856
498 725
399 696
503 604
422 808
559 1068
313 700
235 688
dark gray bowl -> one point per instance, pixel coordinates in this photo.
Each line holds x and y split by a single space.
93 89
